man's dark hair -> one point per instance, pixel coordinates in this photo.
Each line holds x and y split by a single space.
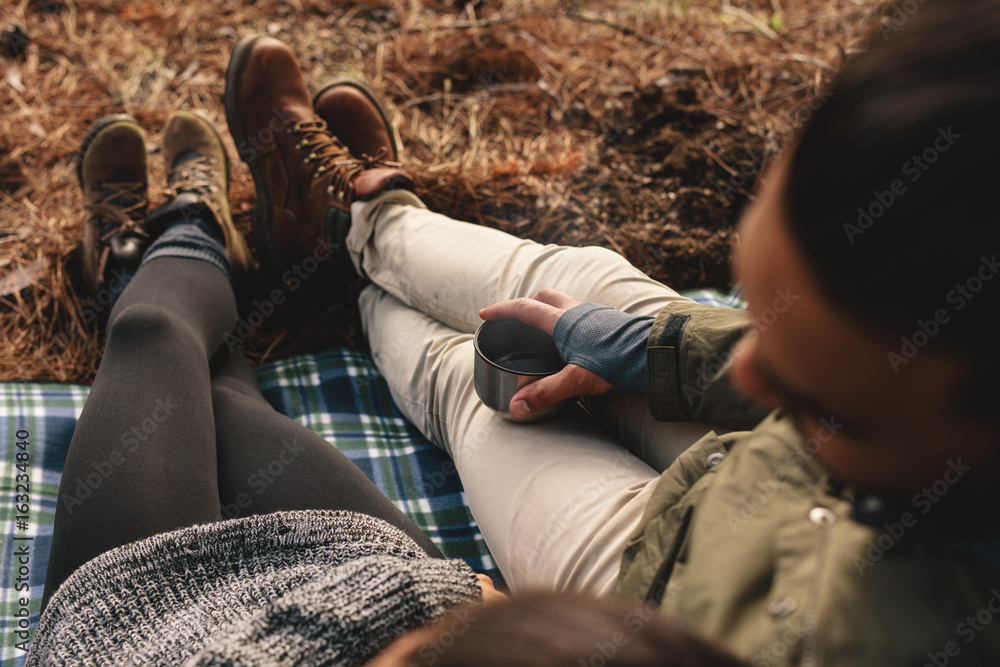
567 630
892 193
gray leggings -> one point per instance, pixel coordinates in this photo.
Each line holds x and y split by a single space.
176 432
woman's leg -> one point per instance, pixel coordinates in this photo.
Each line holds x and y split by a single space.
142 458
268 462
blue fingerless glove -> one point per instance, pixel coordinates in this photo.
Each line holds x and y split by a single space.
607 342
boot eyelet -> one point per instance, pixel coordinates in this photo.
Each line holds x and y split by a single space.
307 159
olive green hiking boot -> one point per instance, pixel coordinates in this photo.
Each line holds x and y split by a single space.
198 181
112 175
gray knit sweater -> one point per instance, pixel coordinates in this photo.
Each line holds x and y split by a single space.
290 588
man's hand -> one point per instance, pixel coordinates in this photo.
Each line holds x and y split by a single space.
543 311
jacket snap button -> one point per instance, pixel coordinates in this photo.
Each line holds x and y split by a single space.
714 459
821 516
783 607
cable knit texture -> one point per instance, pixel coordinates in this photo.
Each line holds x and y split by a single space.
608 342
290 588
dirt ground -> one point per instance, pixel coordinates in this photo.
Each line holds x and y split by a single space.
639 126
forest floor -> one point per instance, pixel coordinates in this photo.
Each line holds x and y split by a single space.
639 126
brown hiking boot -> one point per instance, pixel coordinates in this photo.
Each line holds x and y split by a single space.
198 181
354 114
112 175
306 177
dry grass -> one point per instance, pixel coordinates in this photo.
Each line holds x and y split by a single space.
622 124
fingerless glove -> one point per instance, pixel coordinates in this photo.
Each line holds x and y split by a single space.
606 341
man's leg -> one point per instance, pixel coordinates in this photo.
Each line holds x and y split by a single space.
142 457
330 163
628 418
449 270
268 462
556 501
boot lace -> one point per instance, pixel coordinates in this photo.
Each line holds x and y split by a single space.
193 175
109 209
331 155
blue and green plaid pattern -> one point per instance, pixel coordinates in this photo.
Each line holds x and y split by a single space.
711 297
341 395
338 394
43 416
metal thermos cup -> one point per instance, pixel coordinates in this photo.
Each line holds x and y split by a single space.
510 355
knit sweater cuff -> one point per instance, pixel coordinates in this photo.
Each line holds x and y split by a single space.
608 342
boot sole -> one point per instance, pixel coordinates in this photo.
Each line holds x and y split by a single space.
92 133
218 138
85 145
261 215
374 99
233 235
237 236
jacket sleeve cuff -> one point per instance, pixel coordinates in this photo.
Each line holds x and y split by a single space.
687 366
663 366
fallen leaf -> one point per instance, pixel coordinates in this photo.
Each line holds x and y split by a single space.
190 70
21 277
14 79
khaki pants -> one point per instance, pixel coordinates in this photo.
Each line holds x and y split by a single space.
555 501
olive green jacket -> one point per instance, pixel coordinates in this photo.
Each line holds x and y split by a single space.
748 540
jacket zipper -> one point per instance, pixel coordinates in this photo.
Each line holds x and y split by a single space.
811 623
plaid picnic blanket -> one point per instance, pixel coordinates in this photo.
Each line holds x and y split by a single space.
710 297
338 394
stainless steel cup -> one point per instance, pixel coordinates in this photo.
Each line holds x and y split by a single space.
510 355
